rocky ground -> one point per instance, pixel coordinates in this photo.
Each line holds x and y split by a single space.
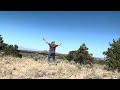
28 68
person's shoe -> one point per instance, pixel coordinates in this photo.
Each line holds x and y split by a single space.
49 63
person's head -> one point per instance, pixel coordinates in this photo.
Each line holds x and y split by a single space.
53 42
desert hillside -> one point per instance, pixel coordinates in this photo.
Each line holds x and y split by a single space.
25 68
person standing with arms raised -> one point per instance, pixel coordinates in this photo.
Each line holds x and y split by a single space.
52 48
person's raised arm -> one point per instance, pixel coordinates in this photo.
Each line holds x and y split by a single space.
45 40
60 44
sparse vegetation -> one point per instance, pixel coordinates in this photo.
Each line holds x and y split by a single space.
25 68
99 61
63 57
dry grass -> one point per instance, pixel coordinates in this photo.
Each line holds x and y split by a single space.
15 68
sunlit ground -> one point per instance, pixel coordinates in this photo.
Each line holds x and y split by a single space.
15 68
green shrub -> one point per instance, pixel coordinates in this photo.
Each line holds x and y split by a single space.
9 50
113 55
63 57
99 61
12 51
81 55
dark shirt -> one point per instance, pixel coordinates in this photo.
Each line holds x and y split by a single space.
52 48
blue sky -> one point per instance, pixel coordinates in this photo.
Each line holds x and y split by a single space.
94 28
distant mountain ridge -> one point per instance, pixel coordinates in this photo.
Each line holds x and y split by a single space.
35 51
23 48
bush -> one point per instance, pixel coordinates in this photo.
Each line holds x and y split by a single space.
81 55
113 55
62 57
99 61
11 50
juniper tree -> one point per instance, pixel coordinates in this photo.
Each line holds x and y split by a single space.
81 55
113 55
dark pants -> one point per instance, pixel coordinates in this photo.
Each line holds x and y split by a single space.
53 56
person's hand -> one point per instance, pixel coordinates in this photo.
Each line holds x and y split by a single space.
61 43
44 39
